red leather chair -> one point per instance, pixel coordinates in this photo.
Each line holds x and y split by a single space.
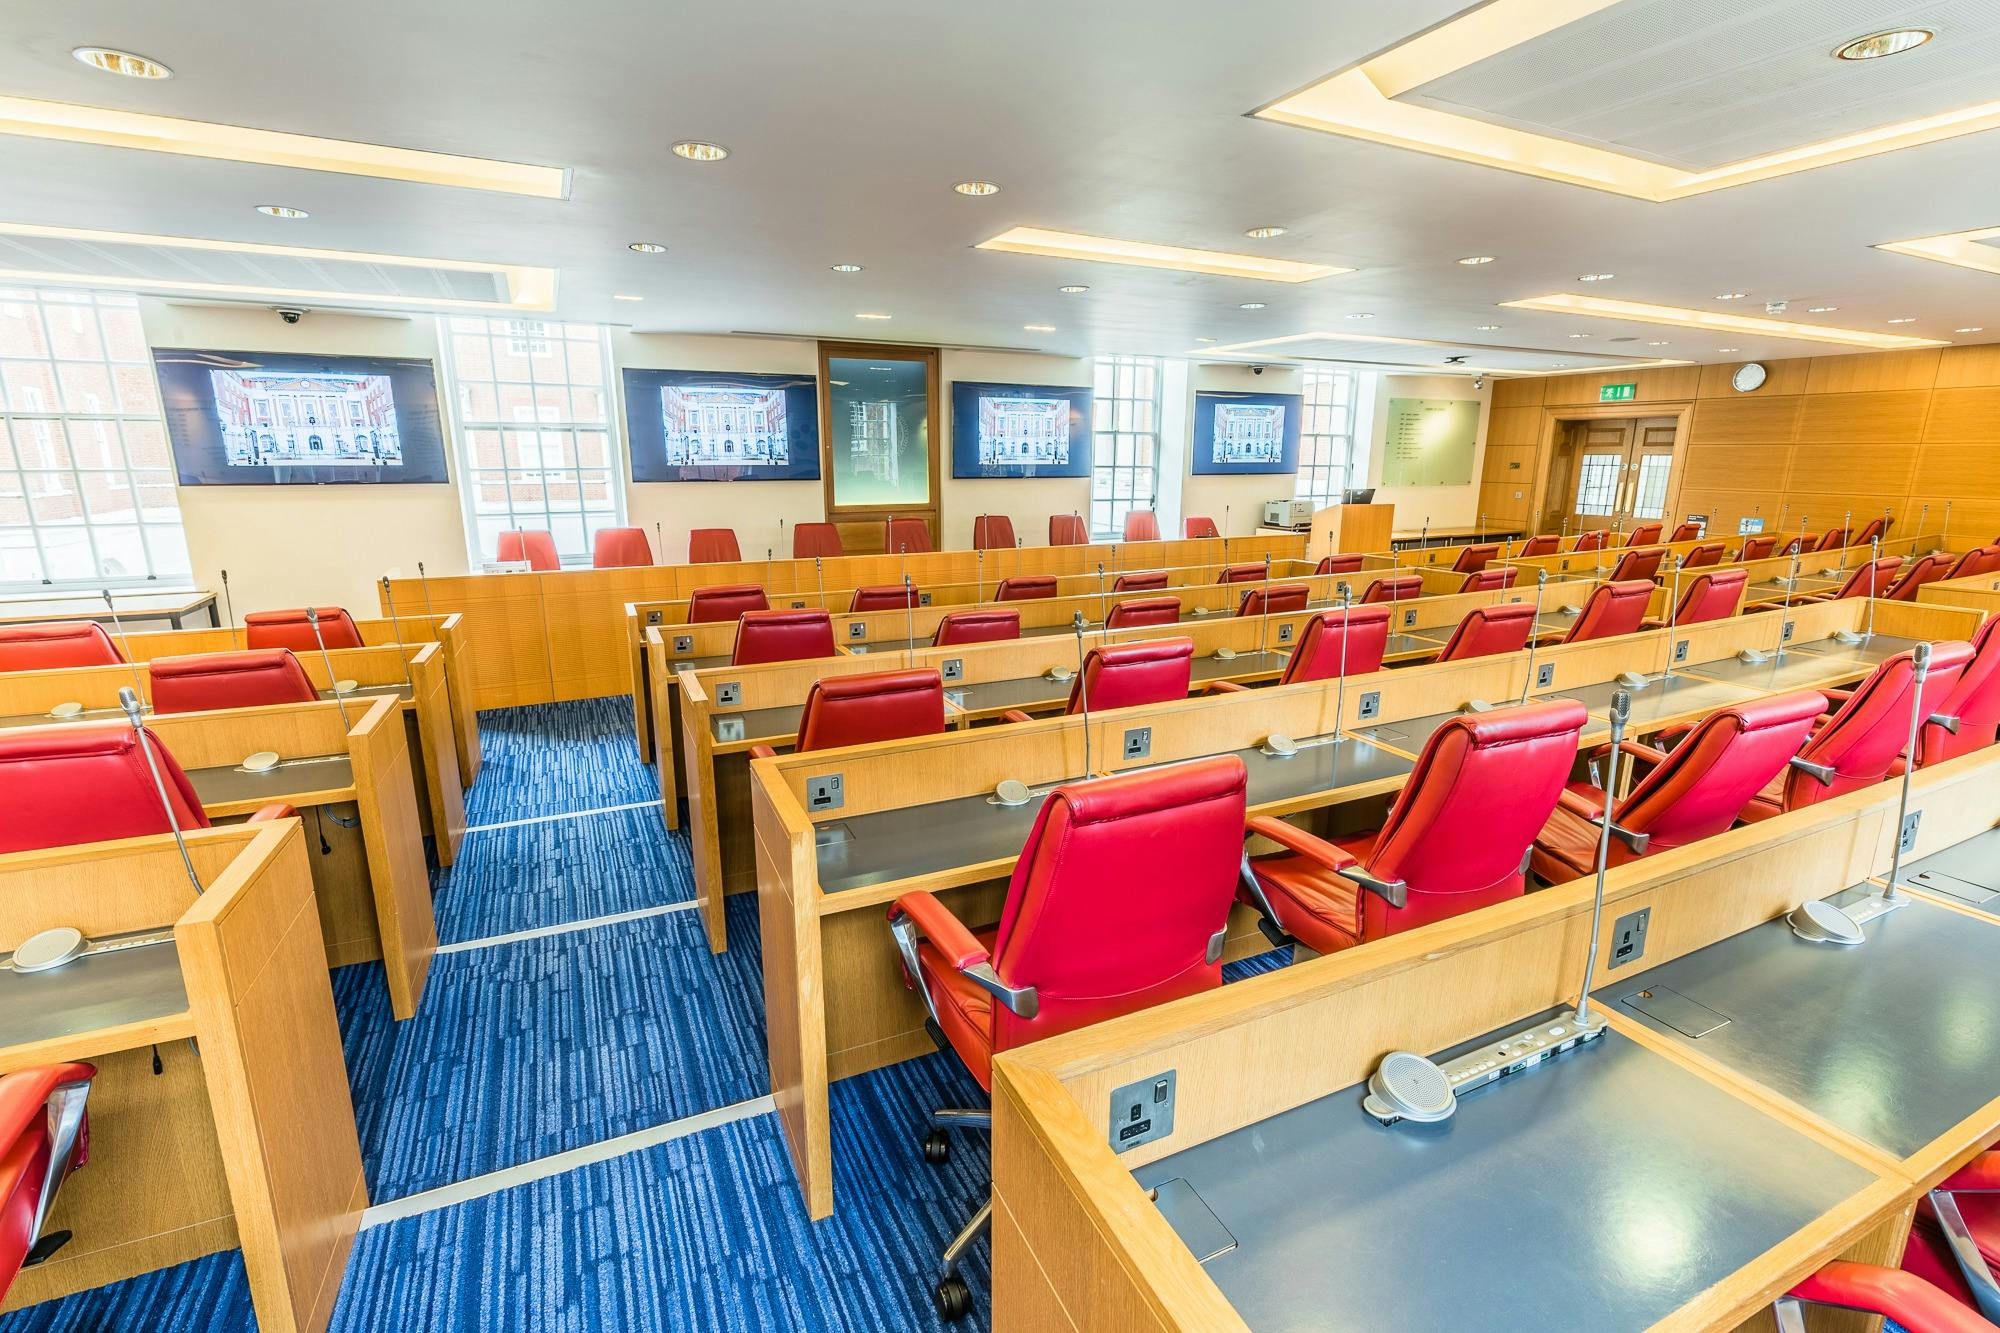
1135 612
290 629
1757 548
1708 597
1144 582
1129 675
816 539
1645 534
1693 792
43 1137
725 602
957 627
992 532
906 536
860 710
1494 578
61 786
1067 530
1348 563
1321 653
782 636
1274 599
1142 526
56 646
1979 560
884 597
1799 545
1974 702
1612 608
1686 532
1702 556
1119 901
1251 572
1025 588
1200 527
1547 543
1915 574
620 548
713 546
1489 630
1832 540
1857 746
1456 838
1593 540
1642 563
1974 1190
1913 1304
535 546
1394 588
202 681
1472 559
1869 580
1875 527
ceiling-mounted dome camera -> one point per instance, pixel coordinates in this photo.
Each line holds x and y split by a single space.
1256 370
290 314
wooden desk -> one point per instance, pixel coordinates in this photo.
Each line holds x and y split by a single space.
246 1136
172 605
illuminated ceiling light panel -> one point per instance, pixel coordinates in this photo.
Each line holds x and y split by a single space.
1717 321
71 123
1964 249
1107 250
528 288
1361 103
1261 347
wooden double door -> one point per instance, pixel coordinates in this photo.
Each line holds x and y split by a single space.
1610 472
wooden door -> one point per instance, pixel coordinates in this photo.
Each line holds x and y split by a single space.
879 455
1610 472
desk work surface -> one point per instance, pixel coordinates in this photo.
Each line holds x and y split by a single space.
397 690
756 724
1600 1191
227 784
1968 872
865 850
1794 671
1874 650
1658 698
1892 1040
14 721
96 991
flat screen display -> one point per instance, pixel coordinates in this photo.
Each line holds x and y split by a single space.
1019 430
275 419
1246 433
703 425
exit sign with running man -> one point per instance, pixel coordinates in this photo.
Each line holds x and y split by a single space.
1617 393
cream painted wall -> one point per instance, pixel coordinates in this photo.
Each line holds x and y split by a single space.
1444 506
1235 503
1028 503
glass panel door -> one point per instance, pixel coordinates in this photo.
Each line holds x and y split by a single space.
878 431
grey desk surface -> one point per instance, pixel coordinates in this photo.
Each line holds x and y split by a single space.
1771 590
1874 651
44 720
701 663
228 783
756 724
1969 871
1795 671
900 644
1251 662
1892 1040
1429 641
96 991
1677 694
1025 692
1317 768
1598 1192
863 850
371 692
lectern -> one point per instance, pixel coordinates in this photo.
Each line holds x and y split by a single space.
1351 528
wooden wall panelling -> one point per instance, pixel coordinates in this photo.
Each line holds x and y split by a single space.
1863 372
1658 385
1965 367
1781 378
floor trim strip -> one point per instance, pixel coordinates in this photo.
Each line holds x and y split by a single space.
551 819
567 927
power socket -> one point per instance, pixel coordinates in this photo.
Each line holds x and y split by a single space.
1681 651
825 792
729 693
1371 705
1409 619
1285 633
1908 840
1545 675
1138 742
953 668
1628 937
656 617
683 643
1143 1111
856 630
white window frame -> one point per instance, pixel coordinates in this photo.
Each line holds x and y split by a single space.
1117 415
1329 459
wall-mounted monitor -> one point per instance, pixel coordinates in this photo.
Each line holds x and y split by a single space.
705 425
289 418
1019 430
1246 434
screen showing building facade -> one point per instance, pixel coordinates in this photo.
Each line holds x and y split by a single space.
687 425
1246 433
269 417
1019 430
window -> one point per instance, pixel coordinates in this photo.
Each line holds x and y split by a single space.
86 478
1126 447
1653 472
534 414
1597 484
1327 458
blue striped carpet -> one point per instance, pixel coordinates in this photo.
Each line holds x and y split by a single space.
553 759
531 875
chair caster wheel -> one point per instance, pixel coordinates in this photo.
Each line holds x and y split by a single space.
953 1298
937 1148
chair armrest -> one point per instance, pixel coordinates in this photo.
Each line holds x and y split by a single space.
1835 698
1593 814
761 751
940 927
1295 839
275 810
1225 687
1913 1303
1820 773
1643 752
1015 715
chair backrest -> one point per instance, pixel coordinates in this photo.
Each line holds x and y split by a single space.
1593 540
1877 526
1833 539
878 706
1137 611
1545 543
1708 553
782 636
1321 654
1644 534
1143 582
1711 775
1347 563
1127 675
1394 588
725 601
1142 526
1472 559
201 681
1979 560
1120 889
56 646
1494 578
1197 526
1249 572
1861 740
620 548
909 535
1067 530
1612 608
1915 574
1488 630
1974 701
1711 596
534 545
713 546
290 629
1796 545
1274 599
1758 548
1459 831
991 532
976 627
1871 579
884 597
65 785
1686 532
1641 563
1025 588
816 539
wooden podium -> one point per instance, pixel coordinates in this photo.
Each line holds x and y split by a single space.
1347 528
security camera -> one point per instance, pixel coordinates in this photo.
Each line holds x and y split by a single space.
1478 382
1256 370
290 314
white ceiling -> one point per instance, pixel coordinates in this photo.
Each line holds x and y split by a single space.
848 124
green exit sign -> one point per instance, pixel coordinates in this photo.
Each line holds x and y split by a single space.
1617 393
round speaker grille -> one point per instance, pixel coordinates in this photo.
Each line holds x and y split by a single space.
49 948
1281 745
1011 791
261 762
1060 674
69 709
1821 921
1413 1085
345 686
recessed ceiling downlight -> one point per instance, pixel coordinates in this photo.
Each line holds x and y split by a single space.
121 62
1264 233
846 268
977 189
647 248
694 150
281 211
1878 44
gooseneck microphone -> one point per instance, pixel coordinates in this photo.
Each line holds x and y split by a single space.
228 603
1340 687
1083 693
332 682
1673 621
429 611
910 610
129 701
390 598
1621 713
124 642
1535 632
819 580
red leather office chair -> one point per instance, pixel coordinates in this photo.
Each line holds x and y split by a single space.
1686 532
1832 540
1798 545
1274 599
1913 1304
1321 653
1974 702
1869 580
1702 556
57 646
620 548
1119 901
290 629
816 539
1641 563
725 602
44 1136
1611 609
1456 838
957 627
1857 746
1757 548
1875 527
1915 574
1708 597
1129 675
860 710
1472 559
713 546
1142 526
884 597
992 532
1974 1191
1547 543
1067 530
201 681
907 535
1593 540
1251 572
1025 588
1348 563
1394 588
535 546
1693 792
1134 612
1489 630
1979 560
1143 582
1494 578
61 786
782 636
1200 527
1645 534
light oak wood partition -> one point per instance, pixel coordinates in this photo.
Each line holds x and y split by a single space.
1981 591
246 1136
